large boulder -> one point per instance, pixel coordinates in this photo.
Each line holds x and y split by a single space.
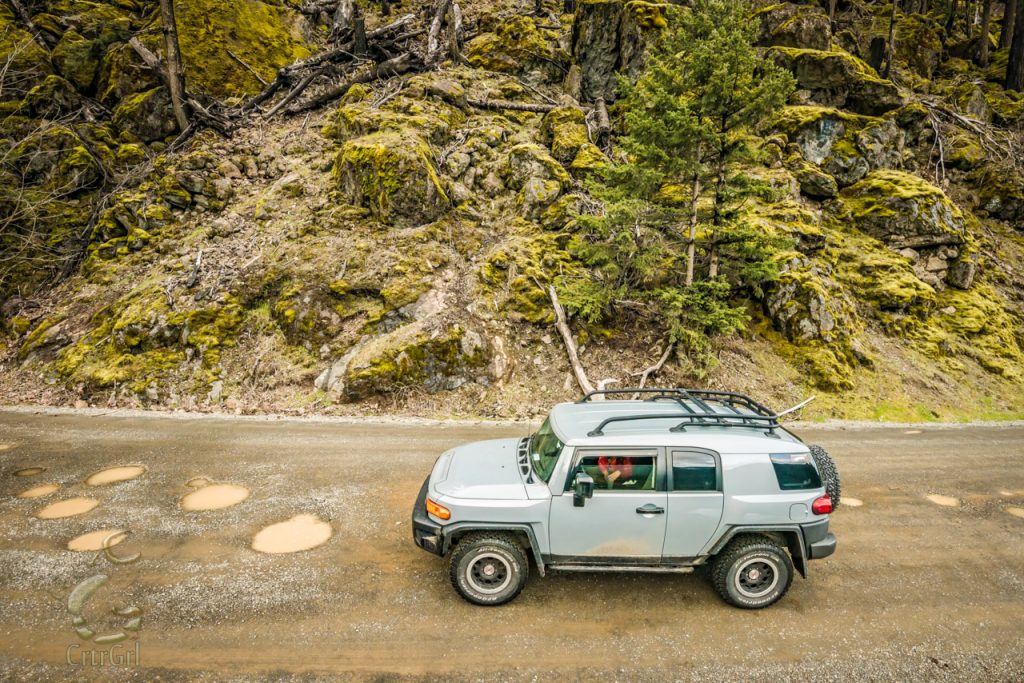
146 115
790 25
393 175
838 79
918 220
22 56
517 46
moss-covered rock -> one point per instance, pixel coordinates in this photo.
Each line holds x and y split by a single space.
814 182
790 25
147 115
77 59
26 64
904 211
517 46
610 38
838 79
52 98
431 119
436 360
918 44
393 175
266 36
563 130
123 73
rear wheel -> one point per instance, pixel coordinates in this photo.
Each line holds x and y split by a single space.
752 572
488 569
829 473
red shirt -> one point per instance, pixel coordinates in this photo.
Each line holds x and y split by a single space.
608 465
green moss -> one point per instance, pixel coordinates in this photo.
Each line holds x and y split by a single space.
22 56
649 14
564 131
427 118
263 35
791 120
589 159
515 44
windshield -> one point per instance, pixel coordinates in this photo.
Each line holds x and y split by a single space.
545 448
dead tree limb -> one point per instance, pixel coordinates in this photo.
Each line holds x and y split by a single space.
344 15
295 92
456 33
434 36
512 106
604 124
175 68
570 344
391 67
654 369
43 39
248 68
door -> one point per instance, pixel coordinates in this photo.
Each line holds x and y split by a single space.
624 522
695 501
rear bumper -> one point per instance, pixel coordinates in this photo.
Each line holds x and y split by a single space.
426 533
822 548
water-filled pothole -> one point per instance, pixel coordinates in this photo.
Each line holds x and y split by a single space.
1015 511
851 502
214 497
39 491
945 501
29 471
6 446
68 508
94 539
301 532
112 475
912 431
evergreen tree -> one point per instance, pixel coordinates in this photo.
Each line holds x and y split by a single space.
688 121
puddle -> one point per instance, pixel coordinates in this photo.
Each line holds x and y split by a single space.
912 431
301 532
945 501
113 475
30 471
852 502
214 497
197 482
6 446
94 539
67 508
39 491
1016 512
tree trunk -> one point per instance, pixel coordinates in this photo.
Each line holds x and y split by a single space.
832 11
1009 17
562 325
951 18
175 69
1015 66
892 39
691 243
986 20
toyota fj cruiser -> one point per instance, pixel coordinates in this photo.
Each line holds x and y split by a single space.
680 479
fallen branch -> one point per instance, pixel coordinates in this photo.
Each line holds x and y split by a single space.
604 126
392 67
248 68
570 345
434 36
536 107
654 369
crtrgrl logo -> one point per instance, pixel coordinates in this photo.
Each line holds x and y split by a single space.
102 639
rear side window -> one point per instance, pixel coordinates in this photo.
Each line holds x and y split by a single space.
694 472
795 471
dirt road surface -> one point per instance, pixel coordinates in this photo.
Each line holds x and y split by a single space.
919 588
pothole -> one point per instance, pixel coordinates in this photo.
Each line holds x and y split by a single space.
68 508
197 482
29 471
851 502
39 491
214 497
1015 511
945 501
301 532
6 446
112 475
94 539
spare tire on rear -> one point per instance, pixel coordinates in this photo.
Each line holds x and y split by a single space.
829 473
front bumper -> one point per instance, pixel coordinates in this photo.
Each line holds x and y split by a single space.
426 533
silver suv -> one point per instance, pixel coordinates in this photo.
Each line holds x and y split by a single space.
680 479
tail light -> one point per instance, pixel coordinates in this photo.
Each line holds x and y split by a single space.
822 506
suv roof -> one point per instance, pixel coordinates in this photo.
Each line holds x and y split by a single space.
670 416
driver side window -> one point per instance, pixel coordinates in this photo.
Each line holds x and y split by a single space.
619 470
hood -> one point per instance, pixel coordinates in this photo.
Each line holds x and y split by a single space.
483 469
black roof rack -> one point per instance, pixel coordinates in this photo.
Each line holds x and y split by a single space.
717 408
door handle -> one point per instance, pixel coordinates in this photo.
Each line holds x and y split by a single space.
650 509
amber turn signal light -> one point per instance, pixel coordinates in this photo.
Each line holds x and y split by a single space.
439 511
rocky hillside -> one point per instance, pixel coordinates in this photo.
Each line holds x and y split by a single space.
393 248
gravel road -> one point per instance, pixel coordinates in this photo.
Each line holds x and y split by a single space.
927 582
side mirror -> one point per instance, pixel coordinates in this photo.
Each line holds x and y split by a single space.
582 488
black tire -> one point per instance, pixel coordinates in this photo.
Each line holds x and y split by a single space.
829 473
752 572
488 569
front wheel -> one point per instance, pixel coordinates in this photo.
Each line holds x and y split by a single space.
752 572
488 569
